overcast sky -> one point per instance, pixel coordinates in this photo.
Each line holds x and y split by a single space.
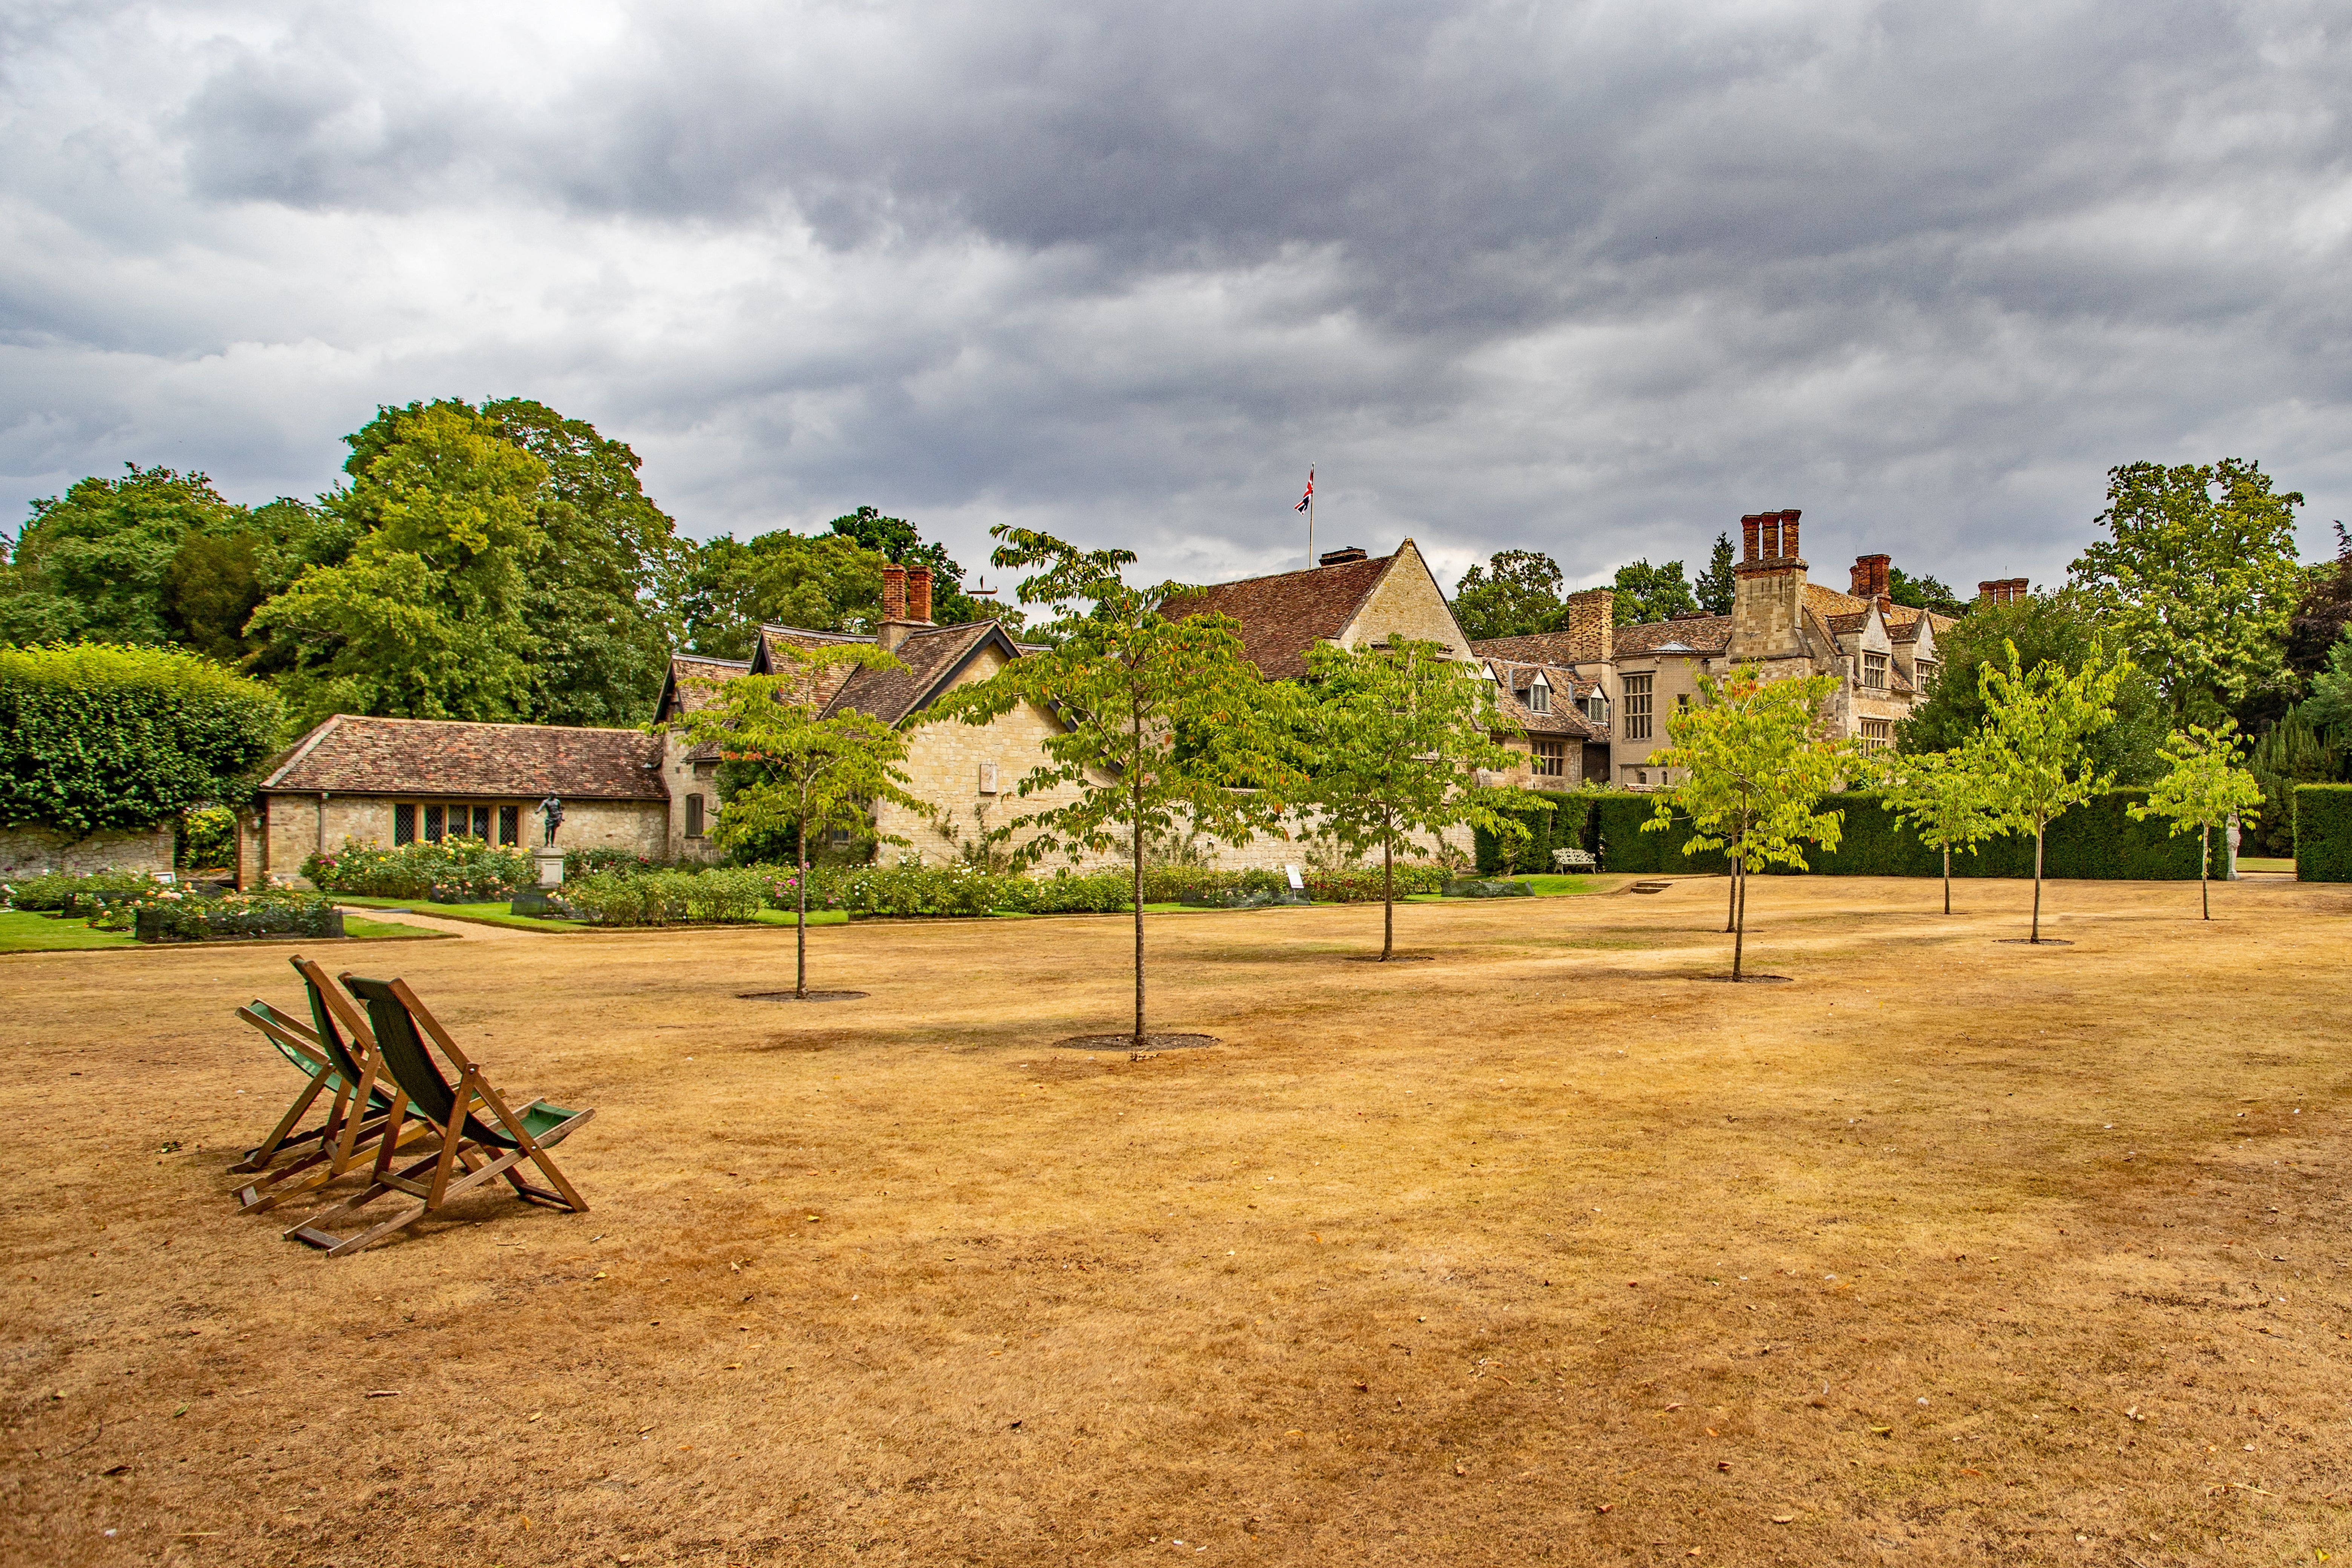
1592 278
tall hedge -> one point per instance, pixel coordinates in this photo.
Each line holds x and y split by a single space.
2095 841
100 737
1554 819
2322 833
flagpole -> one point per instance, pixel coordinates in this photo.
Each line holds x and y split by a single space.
1310 515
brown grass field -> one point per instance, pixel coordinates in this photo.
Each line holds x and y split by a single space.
1547 1250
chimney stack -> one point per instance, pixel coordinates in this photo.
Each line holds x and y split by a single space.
1750 527
919 594
1768 589
893 592
2004 590
1870 576
1592 625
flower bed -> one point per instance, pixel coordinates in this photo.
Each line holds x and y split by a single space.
52 891
672 897
169 914
449 871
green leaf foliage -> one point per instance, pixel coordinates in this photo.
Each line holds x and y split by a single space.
2322 833
106 737
824 583
1395 736
2061 628
1714 586
1922 593
1647 593
1548 820
1515 594
2198 578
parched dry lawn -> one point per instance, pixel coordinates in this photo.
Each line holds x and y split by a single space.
1949 1252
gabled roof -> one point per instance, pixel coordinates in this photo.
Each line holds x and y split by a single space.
686 688
816 684
348 754
1700 633
1513 678
932 659
1284 614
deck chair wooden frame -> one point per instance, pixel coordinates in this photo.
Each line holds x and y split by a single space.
461 1152
339 1053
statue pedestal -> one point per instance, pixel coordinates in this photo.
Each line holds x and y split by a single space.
533 901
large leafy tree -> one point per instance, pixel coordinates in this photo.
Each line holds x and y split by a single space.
1946 801
2205 789
1515 594
94 563
2032 752
1715 584
1647 593
827 583
594 592
2061 628
427 617
2198 577
1754 765
795 769
1396 736
1167 727
895 540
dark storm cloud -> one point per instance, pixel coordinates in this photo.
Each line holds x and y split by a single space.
1594 277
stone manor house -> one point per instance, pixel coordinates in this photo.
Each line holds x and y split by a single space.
1591 702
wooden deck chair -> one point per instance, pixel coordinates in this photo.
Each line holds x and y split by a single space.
462 1150
346 1068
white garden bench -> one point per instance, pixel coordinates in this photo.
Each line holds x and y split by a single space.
1573 860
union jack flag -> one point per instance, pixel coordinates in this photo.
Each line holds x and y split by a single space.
1309 499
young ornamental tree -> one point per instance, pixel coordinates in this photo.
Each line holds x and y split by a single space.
2205 788
1396 736
799 770
2032 750
1753 766
1166 727
1943 799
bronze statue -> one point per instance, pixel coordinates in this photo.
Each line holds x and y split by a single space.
552 808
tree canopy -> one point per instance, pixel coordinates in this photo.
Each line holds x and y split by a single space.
1716 584
1647 593
2059 628
1515 594
2204 789
1922 593
2197 578
2032 753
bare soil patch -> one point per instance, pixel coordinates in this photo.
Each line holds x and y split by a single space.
1944 1256
1149 1042
801 997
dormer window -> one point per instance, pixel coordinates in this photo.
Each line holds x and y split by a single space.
1539 694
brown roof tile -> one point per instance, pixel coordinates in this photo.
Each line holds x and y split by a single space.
352 755
1549 649
1701 633
1284 614
692 677
1514 677
930 657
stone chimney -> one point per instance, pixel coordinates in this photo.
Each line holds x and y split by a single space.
1768 592
1870 576
919 594
1592 625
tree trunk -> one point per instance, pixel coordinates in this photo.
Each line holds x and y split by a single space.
1388 899
1947 878
2036 938
800 926
2205 869
1731 900
1138 847
1739 913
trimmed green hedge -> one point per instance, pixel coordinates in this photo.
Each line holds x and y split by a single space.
2322 833
2095 841
1554 819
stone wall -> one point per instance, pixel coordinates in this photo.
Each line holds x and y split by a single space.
1767 611
296 826
33 851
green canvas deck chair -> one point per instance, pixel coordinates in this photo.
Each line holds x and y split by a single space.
461 1149
337 1052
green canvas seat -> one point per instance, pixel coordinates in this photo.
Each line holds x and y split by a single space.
467 1130
337 1066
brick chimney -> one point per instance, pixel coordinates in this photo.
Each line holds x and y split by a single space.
2002 589
1870 576
893 592
919 594
1592 625
1768 589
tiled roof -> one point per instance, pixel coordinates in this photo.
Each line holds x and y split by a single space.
1700 633
930 657
818 684
1548 648
692 679
353 755
1514 677
1283 616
